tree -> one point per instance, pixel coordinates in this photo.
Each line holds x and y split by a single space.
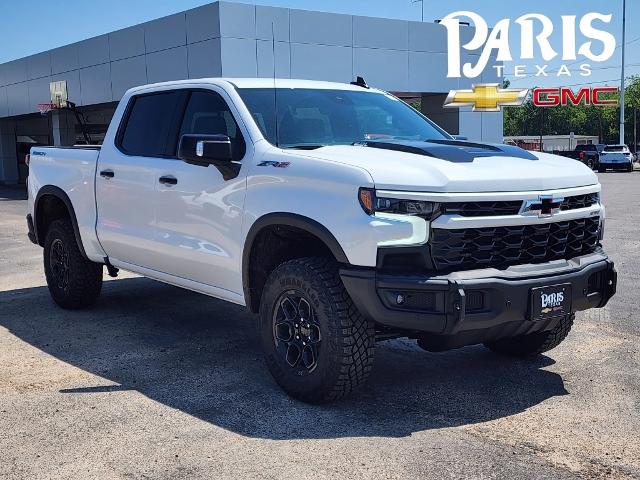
580 119
632 100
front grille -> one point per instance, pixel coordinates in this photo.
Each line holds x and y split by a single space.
482 209
490 209
499 247
580 201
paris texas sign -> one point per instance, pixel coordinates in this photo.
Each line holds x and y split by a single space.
536 31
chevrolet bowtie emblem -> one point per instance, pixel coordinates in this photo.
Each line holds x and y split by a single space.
487 97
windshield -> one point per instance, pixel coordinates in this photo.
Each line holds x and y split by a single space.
318 117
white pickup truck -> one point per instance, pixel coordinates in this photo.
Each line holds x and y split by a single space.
337 212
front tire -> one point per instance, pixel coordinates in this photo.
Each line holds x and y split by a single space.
317 345
74 282
535 343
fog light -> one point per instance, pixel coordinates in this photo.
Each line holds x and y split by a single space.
400 299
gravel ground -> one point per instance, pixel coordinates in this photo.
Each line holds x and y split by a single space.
157 382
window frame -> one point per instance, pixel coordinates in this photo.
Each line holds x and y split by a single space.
228 105
127 114
177 120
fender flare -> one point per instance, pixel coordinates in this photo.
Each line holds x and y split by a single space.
292 220
57 192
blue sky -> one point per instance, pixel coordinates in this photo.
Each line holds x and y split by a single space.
31 26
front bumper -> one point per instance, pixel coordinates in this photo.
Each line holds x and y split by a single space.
474 306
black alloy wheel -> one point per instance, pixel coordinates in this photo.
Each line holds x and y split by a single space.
296 332
59 262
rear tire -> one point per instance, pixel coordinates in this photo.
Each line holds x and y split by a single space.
317 345
535 343
74 282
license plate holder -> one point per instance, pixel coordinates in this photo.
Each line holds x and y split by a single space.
550 302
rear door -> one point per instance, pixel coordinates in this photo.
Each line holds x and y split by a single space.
128 174
199 208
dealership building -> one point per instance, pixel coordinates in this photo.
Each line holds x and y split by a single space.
230 40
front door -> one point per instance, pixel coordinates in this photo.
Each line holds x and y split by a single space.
199 208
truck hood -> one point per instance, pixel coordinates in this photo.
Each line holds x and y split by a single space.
506 170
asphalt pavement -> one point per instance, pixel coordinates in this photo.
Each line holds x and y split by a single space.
159 382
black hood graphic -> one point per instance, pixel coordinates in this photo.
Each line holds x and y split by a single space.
459 151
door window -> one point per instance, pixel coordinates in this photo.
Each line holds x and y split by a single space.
207 113
150 129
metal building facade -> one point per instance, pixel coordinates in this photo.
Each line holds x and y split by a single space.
236 40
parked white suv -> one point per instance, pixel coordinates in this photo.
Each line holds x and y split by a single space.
337 212
616 157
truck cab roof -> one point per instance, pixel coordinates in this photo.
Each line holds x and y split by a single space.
256 83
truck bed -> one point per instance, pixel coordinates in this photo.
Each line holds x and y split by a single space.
73 170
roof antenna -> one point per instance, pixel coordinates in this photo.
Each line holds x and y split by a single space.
360 82
275 92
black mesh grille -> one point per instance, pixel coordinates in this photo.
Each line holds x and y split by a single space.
499 247
579 201
482 209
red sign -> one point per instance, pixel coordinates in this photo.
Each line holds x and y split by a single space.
552 97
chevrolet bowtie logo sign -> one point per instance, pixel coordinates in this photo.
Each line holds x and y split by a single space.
485 98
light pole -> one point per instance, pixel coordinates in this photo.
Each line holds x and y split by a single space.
421 2
624 28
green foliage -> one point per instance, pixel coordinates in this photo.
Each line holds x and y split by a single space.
582 120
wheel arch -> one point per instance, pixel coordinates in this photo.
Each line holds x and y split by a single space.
47 196
307 226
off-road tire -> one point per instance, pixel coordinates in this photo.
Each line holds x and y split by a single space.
84 278
535 343
346 350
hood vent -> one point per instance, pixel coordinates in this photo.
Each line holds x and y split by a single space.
458 151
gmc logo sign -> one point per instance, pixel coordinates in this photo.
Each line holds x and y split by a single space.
552 97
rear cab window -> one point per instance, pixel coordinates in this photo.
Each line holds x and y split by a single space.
586 147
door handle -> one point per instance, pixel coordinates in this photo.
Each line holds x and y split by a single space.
168 180
107 174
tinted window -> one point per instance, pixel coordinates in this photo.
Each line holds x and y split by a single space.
207 113
150 127
588 147
317 117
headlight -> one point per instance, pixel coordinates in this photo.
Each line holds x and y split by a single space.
372 204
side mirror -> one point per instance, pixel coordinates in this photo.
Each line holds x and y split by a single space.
205 149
